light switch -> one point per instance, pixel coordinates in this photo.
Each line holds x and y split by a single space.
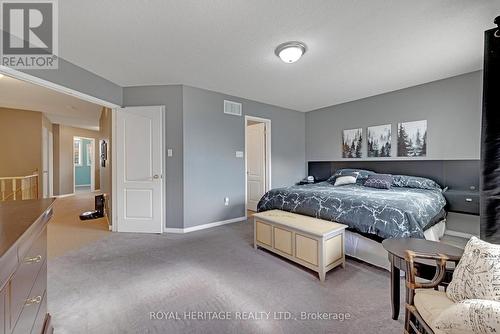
169 152
239 154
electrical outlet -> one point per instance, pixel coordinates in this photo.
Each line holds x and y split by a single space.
226 201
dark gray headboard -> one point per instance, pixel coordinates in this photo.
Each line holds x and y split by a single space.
460 176
455 174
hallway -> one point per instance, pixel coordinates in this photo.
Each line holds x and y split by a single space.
66 232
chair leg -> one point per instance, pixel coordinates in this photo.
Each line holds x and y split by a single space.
407 320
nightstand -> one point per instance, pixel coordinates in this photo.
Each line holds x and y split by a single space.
462 201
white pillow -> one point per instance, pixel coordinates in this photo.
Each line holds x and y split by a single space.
343 180
477 275
470 316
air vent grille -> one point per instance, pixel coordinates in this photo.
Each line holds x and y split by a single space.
232 108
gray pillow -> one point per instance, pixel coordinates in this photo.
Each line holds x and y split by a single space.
406 181
379 181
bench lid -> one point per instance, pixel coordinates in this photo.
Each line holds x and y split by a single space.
314 226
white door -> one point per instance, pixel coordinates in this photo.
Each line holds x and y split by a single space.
139 169
256 164
45 162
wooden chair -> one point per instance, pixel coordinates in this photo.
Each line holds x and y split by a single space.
415 320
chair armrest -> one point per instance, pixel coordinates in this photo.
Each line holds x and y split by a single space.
411 271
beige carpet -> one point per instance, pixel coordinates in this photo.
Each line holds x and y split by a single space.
66 232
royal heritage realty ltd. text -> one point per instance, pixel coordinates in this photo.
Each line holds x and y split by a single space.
248 316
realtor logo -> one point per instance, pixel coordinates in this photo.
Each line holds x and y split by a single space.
29 38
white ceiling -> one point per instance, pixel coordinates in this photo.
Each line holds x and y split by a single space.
357 48
58 107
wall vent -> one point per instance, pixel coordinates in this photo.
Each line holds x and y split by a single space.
232 108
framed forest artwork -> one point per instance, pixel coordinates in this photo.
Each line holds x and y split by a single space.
412 139
352 143
378 140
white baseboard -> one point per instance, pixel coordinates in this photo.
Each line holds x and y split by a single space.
459 234
204 226
64 195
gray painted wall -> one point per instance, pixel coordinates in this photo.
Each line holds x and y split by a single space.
211 139
71 76
171 98
452 108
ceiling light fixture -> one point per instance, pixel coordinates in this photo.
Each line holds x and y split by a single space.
1 75
290 52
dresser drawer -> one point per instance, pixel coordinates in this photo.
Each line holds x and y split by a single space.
31 304
41 317
3 300
24 278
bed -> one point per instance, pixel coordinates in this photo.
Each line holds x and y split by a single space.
412 207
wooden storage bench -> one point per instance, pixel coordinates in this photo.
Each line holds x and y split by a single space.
314 243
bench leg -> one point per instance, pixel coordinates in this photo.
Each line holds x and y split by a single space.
322 275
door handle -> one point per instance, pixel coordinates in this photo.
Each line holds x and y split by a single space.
156 176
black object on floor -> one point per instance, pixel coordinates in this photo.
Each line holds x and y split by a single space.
98 212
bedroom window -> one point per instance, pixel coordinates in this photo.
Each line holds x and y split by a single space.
77 152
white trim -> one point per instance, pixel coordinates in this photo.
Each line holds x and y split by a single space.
48 84
82 185
114 213
64 195
204 226
459 234
267 124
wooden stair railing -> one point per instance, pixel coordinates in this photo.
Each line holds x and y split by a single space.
19 187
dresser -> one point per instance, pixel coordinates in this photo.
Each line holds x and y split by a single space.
23 266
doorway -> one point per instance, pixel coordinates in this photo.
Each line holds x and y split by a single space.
257 160
83 165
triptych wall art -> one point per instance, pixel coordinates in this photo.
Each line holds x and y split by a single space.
411 141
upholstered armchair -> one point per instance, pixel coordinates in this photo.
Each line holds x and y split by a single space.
425 301
470 303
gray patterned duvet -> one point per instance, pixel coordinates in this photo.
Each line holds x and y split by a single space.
393 213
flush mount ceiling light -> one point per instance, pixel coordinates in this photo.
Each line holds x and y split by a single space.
1 76
290 52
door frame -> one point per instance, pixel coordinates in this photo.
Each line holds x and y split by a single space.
114 212
267 127
92 165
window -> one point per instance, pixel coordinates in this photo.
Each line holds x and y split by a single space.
77 151
89 154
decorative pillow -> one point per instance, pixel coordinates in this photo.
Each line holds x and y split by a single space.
380 181
477 275
406 181
345 179
470 316
361 173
